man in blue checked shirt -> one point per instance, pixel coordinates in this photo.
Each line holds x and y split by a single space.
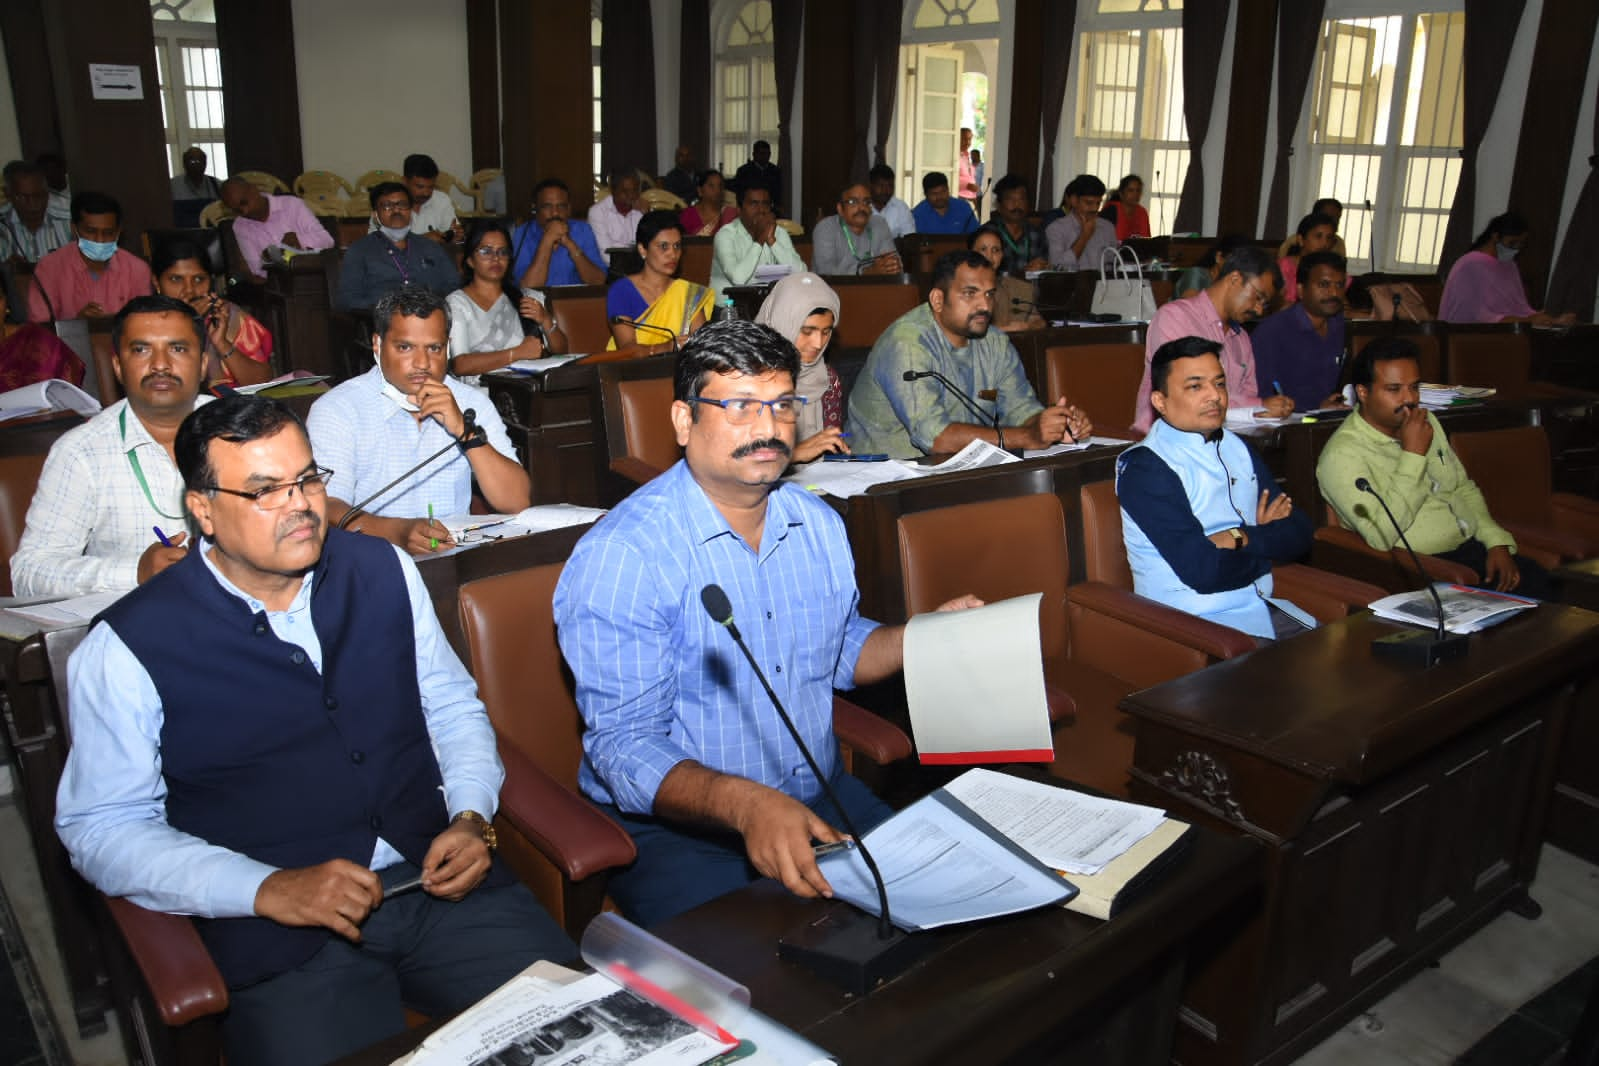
682 747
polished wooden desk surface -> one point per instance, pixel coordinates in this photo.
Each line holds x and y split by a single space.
1380 714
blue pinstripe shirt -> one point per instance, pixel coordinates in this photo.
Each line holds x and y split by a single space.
658 682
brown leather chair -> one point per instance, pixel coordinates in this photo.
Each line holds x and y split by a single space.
1102 379
636 405
1426 336
1497 356
580 312
698 255
868 306
19 477
1339 550
1187 642
1512 468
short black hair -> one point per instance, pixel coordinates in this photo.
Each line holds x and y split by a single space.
89 202
654 223
737 346
1085 185
1250 261
1310 262
1008 184
1218 252
384 188
1326 202
933 180
750 185
20 168
847 186
410 300
550 183
1363 370
237 418
948 263
1312 220
420 166
758 145
176 250
153 304
619 174
881 172
1173 350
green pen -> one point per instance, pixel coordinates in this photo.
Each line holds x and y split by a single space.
433 542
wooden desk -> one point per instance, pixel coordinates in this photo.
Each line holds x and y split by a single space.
1403 809
552 421
1574 807
298 309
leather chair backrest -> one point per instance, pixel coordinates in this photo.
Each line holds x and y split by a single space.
993 549
19 476
1502 360
695 265
580 312
1512 468
509 622
1104 553
867 308
1102 379
646 412
1429 349
106 386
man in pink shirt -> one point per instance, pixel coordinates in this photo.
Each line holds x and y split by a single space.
265 221
1244 287
91 277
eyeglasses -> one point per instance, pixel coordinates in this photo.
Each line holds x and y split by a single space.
275 497
387 207
487 252
1260 298
742 409
856 201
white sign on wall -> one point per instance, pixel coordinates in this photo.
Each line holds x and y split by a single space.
116 81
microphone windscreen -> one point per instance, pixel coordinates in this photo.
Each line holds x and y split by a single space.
469 416
910 375
717 605
1362 484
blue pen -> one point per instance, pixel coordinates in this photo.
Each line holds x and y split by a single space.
162 537
1278 386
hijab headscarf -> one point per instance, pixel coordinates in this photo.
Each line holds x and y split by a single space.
792 300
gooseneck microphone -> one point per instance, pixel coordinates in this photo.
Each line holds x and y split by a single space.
472 436
1425 648
720 608
992 421
623 320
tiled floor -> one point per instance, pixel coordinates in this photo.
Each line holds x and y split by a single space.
1497 1000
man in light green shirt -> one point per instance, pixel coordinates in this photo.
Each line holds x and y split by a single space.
1402 451
950 336
750 241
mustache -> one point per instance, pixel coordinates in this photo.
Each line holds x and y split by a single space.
303 520
775 444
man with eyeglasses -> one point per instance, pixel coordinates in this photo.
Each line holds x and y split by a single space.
900 408
854 240
1246 284
373 428
682 747
109 491
316 746
32 223
389 258
756 240
553 249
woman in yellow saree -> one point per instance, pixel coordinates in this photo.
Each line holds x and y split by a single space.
653 311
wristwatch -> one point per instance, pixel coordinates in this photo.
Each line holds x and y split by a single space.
1238 536
484 826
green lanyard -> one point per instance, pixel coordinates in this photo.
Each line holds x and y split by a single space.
138 471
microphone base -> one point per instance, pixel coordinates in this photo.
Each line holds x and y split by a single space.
842 948
1421 647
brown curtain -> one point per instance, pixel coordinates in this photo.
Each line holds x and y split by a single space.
694 83
255 44
889 14
788 26
1204 29
1060 21
627 55
1490 31
1576 279
1298 33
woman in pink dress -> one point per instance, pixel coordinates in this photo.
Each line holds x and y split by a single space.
710 212
1485 286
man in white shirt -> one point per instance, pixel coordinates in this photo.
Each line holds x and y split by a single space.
265 221
433 213
110 489
614 219
896 212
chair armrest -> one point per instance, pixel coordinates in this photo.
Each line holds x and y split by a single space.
1325 595
1343 551
1546 546
635 470
1579 516
881 741
1214 640
1062 707
184 983
576 838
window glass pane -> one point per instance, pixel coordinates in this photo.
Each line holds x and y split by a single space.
937 14
596 32
1434 104
939 75
1430 181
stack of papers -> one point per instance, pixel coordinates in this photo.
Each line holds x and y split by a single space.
542 365
51 395
767 273
1466 610
293 379
1436 397
853 479
474 528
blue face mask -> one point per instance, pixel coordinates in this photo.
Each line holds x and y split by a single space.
99 251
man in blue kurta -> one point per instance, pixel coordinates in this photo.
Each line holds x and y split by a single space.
1299 351
271 735
1202 517
682 746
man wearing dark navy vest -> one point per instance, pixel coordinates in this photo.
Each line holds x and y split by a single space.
275 732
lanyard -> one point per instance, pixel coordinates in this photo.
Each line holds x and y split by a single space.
1014 247
138 471
848 236
399 264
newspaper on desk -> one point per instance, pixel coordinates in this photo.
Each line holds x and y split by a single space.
853 479
1466 610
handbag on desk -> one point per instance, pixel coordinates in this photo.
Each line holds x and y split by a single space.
1122 289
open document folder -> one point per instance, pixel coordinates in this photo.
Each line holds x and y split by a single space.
974 681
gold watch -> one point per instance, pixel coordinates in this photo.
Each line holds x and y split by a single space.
1238 536
484 826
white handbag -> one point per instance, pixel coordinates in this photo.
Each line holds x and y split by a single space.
1121 289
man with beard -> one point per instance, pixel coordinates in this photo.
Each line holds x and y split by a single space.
682 747
949 336
1202 518
1245 285
316 746
111 484
1300 349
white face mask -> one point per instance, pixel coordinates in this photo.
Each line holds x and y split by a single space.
1506 254
395 235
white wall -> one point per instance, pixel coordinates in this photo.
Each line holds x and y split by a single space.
10 139
380 79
